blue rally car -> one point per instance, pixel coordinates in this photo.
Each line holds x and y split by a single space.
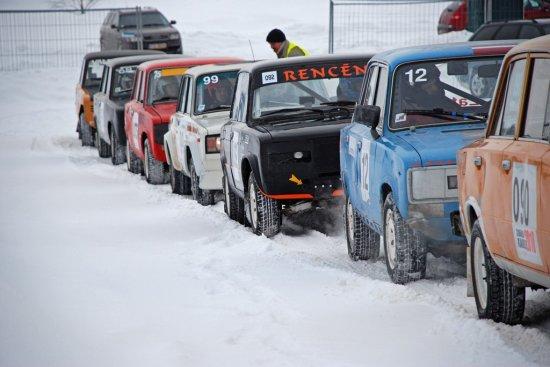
418 107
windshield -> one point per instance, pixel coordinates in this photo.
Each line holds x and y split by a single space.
214 92
315 87
164 85
148 19
123 81
442 92
94 72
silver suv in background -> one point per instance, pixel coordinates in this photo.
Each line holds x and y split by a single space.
121 31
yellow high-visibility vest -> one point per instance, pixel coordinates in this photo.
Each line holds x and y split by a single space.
292 46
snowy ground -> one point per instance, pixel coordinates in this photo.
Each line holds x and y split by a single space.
97 268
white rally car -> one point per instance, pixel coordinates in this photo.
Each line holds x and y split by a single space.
192 143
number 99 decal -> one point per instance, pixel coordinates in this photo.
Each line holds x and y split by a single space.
212 79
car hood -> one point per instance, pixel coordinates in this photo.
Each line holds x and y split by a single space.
213 122
437 146
303 129
164 110
152 31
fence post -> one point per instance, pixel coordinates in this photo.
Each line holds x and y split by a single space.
139 26
331 28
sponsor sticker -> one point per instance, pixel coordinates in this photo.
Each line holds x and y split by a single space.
352 146
400 117
365 168
524 212
269 77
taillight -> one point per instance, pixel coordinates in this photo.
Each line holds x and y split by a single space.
213 144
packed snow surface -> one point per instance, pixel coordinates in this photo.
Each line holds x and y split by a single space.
98 268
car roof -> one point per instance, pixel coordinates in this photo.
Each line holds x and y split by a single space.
213 68
138 59
539 44
304 60
145 9
518 21
187 62
118 53
444 51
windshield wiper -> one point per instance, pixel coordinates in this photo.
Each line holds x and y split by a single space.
449 114
339 103
290 113
164 99
286 111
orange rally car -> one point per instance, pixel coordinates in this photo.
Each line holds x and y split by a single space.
504 188
88 84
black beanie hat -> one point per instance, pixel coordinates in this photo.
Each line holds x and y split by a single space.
276 35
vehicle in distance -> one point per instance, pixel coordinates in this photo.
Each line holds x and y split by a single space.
120 31
514 29
504 182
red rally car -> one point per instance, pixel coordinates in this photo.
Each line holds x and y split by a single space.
147 114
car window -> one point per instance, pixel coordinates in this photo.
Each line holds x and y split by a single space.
164 85
511 106
529 31
122 81
546 28
537 120
94 72
507 32
381 91
104 80
241 98
182 98
485 33
214 92
141 96
371 86
148 19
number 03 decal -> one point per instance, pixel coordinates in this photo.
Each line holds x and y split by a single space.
524 212
417 75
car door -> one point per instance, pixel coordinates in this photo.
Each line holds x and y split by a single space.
495 206
238 126
136 111
186 130
523 166
176 149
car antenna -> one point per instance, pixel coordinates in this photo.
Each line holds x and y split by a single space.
252 50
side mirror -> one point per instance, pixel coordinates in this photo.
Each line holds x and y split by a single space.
172 22
367 115
113 26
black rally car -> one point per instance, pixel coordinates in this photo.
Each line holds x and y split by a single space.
116 86
281 145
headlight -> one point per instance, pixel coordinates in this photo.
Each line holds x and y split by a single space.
174 36
433 184
213 144
129 37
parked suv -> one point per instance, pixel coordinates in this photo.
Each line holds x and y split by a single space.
120 31
398 157
514 29
504 188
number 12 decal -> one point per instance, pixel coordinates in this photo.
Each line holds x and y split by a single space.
420 74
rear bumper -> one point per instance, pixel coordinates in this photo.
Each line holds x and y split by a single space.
436 222
211 178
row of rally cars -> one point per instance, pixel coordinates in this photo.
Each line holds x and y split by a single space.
382 132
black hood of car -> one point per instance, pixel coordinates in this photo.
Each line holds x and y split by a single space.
293 130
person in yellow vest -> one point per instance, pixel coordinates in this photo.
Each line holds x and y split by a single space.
283 47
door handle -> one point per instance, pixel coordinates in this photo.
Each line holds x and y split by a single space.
478 161
506 165
231 135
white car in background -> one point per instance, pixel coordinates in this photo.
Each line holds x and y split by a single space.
192 143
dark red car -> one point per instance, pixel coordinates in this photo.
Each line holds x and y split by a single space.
455 16
147 114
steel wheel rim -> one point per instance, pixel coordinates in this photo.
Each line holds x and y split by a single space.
128 155
195 184
253 205
480 273
389 239
351 222
227 199
146 165
112 144
172 178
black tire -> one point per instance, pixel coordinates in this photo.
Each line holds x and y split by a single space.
497 298
176 180
118 151
133 163
86 132
233 205
103 148
405 252
153 169
203 197
78 129
363 242
264 214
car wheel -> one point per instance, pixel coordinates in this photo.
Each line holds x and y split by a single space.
86 132
264 214
132 160
497 298
153 169
405 252
176 180
103 148
118 154
363 242
233 204
203 197
78 129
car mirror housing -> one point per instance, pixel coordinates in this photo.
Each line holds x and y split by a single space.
367 115
113 26
172 22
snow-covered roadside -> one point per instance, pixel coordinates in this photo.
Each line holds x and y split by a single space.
98 268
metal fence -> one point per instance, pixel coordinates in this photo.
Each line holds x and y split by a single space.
375 25
48 38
